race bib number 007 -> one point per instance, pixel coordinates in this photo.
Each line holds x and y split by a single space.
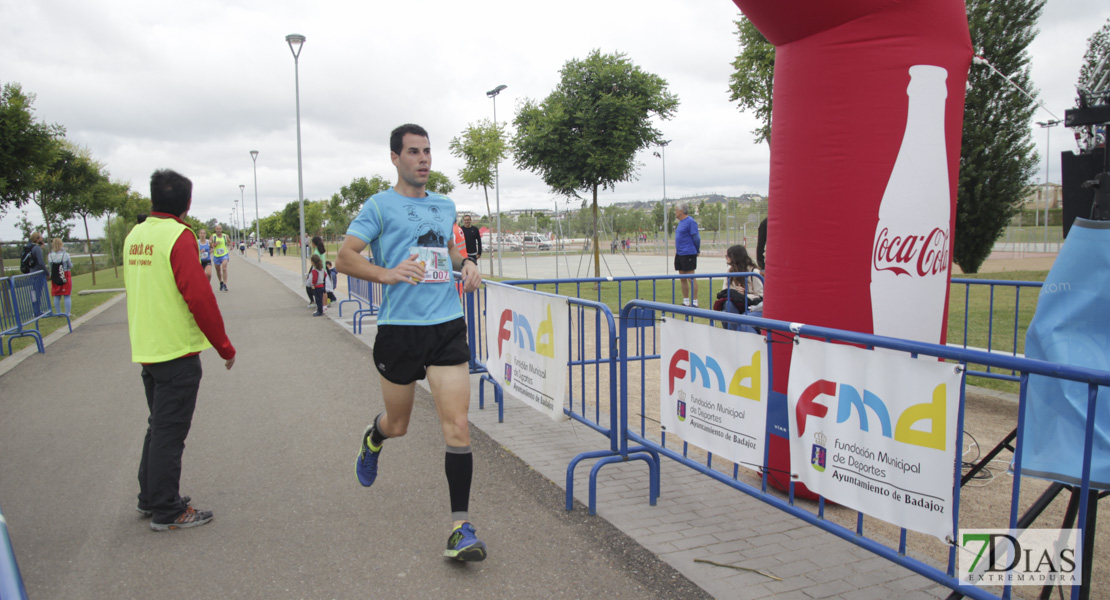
437 263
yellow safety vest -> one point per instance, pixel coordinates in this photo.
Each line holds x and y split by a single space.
160 324
219 245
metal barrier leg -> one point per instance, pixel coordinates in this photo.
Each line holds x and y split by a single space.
498 396
653 476
27 333
570 474
342 302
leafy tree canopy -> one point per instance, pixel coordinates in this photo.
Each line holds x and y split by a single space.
26 147
753 77
586 133
997 157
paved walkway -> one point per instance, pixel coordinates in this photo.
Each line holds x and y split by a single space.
271 451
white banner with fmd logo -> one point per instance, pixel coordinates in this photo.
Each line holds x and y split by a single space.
876 431
713 389
528 346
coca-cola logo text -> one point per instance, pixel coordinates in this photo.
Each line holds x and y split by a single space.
925 254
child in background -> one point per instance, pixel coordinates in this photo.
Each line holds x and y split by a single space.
64 269
316 281
332 281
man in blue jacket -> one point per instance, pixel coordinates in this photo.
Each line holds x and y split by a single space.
687 246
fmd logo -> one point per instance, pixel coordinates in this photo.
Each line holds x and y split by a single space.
907 428
514 327
711 374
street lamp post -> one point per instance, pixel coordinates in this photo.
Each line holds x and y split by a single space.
662 154
257 237
497 178
235 231
1047 125
296 42
243 208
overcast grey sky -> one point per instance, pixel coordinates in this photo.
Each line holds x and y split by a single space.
196 86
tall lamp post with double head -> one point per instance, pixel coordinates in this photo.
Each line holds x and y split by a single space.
1047 125
497 178
296 42
257 237
243 209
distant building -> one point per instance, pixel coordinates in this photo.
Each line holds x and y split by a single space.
1035 195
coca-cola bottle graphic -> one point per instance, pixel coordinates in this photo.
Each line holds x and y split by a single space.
910 254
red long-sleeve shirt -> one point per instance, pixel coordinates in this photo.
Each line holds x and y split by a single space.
197 290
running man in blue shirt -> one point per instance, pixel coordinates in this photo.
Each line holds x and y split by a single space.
421 331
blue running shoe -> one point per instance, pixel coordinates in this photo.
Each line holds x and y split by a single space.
367 465
464 545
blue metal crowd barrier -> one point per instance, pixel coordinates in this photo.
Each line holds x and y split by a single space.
25 299
1002 296
363 293
638 343
779 331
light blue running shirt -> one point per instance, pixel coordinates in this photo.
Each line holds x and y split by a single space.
397 227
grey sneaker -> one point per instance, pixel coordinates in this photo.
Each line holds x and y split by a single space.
190 518
148 513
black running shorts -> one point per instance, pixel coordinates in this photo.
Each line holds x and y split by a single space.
402 353
686 262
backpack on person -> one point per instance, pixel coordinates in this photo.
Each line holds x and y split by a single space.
27 259
58 273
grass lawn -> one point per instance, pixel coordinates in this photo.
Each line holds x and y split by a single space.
1008 327
105 279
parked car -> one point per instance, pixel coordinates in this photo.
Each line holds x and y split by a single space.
530 241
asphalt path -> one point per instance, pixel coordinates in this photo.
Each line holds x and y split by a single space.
271 452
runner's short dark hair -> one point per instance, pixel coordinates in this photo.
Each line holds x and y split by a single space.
170 192
397 138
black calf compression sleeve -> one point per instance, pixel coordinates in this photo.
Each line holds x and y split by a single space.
458 464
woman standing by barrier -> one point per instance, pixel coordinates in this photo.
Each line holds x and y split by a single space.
61 278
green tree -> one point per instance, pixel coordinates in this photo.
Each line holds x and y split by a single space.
337 215
121 218
71 173
585 135
291 219
1090 75
753 77
314 217
997 158
439 183
354 194
94 198
481 146
26 147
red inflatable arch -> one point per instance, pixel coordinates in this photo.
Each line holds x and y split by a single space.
865 149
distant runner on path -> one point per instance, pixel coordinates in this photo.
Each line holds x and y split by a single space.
220 257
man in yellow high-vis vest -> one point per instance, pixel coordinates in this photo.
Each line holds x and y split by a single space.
172 316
